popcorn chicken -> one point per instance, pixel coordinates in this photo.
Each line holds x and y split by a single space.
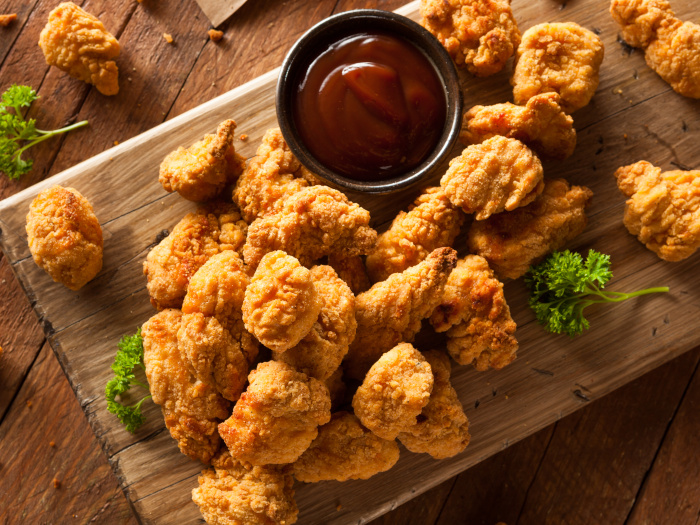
675 56
640 19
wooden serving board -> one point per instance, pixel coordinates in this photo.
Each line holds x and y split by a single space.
634 116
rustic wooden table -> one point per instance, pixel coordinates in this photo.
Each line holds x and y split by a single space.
630 457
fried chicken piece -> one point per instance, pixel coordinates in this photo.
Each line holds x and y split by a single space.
479 34
442 429
270 177
212 333
663 209
391 311
198 236
200 172
561 57
394 392
277 417
675 56
497 175
351 270
235 493
640 19
313 223
321 351
192 409
345 450
78 43
474 313
281 303
541 125
512 242
65 237
431 222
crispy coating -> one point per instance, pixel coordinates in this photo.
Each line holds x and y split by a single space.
476 317
65 237
345 450
212 333
191 408
391 311
479 34
277 417
235 493
663 209
541 125
431 222
351 270
442 429
200 172
7 19
321 351
394 392
675 56
171 264
560 57
512 242
497 175
281 303
640 19
313 223
270 177
78 43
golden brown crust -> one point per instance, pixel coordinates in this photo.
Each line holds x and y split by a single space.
7 19
675 56
351 270
78 43
345 450
442 429
65 237
277 417
640 19
560 57
479 34
513 241
191 408
431 222
476 317
541 125
663 210
394 392
497 175
281 303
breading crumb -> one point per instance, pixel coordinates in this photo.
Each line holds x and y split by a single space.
338 507
215 35
56 483
168 38
244 137
52 444
116 143
6 20
29 403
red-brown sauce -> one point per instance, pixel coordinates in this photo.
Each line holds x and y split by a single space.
370 107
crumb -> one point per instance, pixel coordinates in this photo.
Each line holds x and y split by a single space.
243 137
52 444
168 38
6 20
215 35
624 136
29 403
56 483
617 91
116 143
338 507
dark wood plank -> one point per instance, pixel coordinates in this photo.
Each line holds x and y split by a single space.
423 510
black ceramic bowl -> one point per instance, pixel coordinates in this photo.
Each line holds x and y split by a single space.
317 40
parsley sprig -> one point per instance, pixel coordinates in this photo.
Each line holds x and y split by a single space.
129 357
563 286
17 134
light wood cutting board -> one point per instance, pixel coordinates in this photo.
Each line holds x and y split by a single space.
634 116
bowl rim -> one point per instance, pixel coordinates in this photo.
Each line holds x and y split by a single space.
444 68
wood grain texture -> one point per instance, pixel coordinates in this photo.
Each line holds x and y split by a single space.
514 402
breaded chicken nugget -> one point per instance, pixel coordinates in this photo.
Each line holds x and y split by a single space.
640 19
78 43
200 172
394 392
442 429
192 409
541 125
281 303
171 264
675 56
474 313
351 270
479 34
431 222
321 351
562 57
65 237
663 209
512 242
235 493
497 175
313 223
277 417
270 177
345 450
391 311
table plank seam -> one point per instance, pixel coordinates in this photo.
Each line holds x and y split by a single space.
447 498
627 108
14 41
19 385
